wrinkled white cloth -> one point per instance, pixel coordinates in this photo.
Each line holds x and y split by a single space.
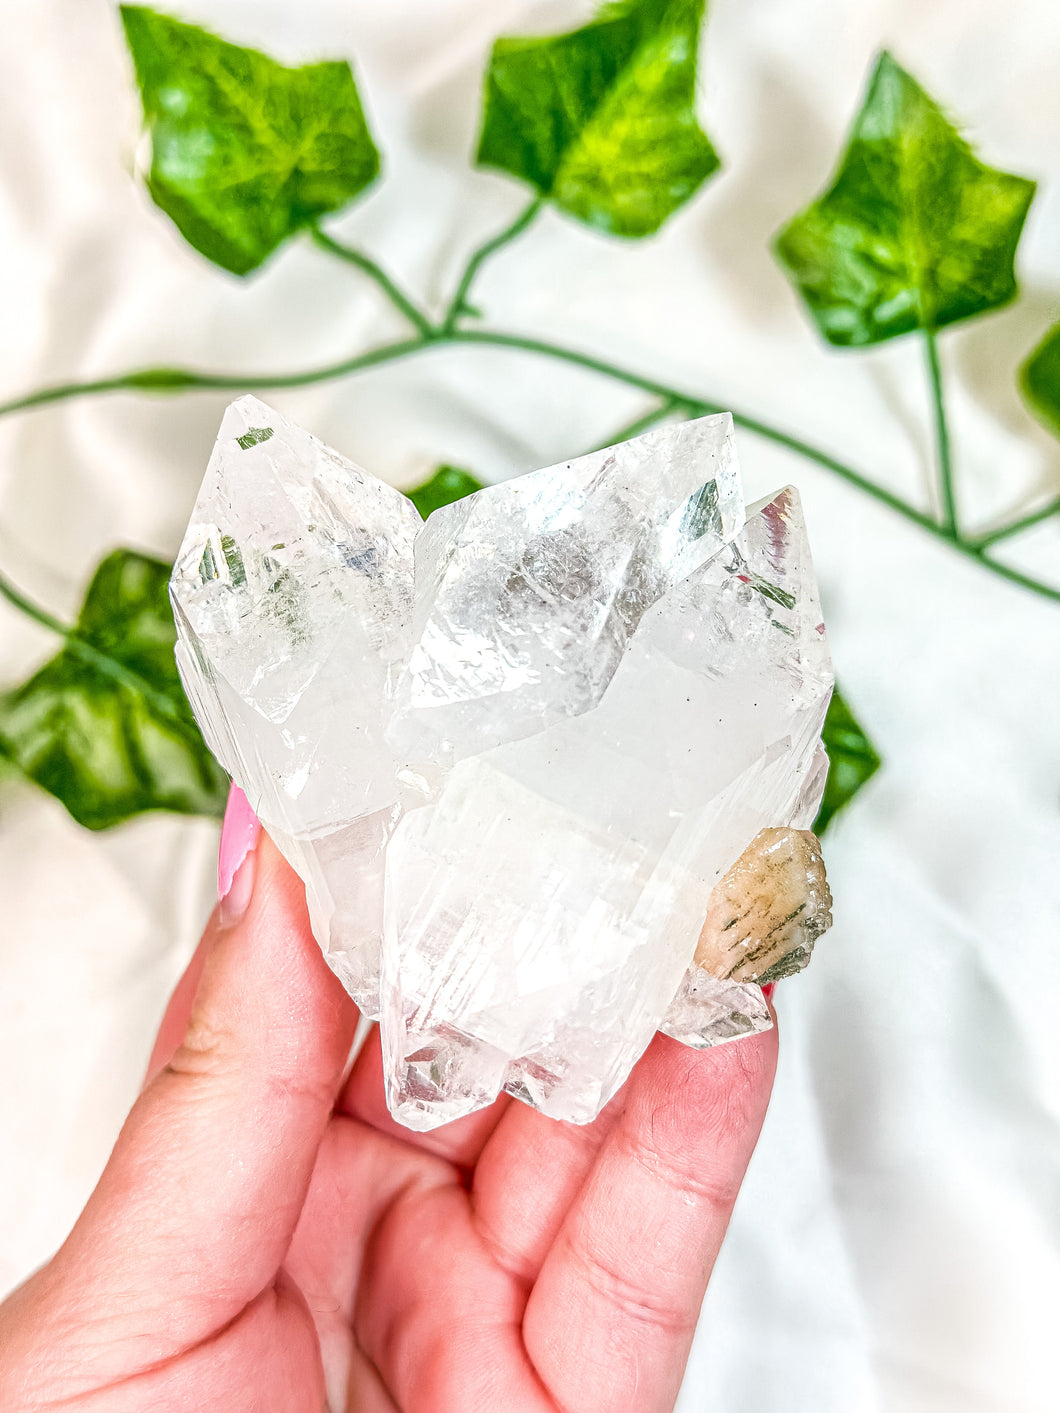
895 1247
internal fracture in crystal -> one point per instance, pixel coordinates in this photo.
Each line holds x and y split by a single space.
518 754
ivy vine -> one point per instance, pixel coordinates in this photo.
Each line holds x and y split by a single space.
913 235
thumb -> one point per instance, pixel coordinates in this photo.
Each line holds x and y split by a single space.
195 1210
239 836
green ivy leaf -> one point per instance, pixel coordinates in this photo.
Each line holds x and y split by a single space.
104 725
602 120
1040 380
852 761
914 232
448 483
8 769
245 152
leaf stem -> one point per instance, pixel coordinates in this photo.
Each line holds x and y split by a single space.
459 303
700 407
499 338
643 423
1014 576
697 407
385 353
1017 527
944 459
669 399
17 599
843 471
374 271
63 392
170 380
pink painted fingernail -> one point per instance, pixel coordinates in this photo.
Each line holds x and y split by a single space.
235 870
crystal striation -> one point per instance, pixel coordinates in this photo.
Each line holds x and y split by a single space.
520 753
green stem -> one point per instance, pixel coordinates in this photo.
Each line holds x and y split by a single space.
497 338
1014 576
365 263
698 407
17 599
947 494
385 353
669 399
1035 517
842 470
63 392
643 423
459 303
167 380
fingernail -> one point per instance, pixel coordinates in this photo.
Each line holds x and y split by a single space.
767 989
235 857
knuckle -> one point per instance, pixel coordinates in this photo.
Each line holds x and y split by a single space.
632 1301
207 1050
691 1174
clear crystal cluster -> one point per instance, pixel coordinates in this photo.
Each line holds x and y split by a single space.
514 751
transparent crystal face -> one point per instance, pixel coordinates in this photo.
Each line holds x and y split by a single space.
511 752
295 579
528 593
292 594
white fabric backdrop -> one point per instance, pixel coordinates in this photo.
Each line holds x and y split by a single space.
895 1247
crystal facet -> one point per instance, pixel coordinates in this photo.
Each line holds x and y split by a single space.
513 751
292 593
528 593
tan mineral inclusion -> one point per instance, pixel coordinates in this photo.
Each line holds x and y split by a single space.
519 753
767 912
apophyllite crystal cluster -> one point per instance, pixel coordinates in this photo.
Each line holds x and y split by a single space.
545 762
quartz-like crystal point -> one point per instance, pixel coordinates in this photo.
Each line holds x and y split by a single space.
528 593
293 593
554 717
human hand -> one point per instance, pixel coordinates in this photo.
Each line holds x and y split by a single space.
265 1237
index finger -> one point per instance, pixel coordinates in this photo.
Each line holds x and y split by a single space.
612 1313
